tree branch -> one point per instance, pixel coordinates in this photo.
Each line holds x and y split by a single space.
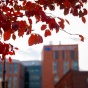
68 32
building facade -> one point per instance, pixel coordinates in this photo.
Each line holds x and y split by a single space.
56 61
74 79
32 74
14 73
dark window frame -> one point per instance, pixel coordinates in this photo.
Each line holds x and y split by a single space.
56 54
1 68
72 54
10 68
63 54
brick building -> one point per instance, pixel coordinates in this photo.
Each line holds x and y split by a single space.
14 73
74 79
56 61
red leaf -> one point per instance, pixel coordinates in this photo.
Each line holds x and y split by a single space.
75 12
7 1
16 48
51 7
18 14
61 25
81 13
62 20
40 40
82 38
10 59
21 32
7 35
1 47
31 40
37 18
84 11
66 11
0 33
22 24
84 1
34 39
13 36
11 53
67 4
3 57
43 27
67 21
30 21
47 33
83 19
24 2
57 28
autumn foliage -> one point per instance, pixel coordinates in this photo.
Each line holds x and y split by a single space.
12 10
7 49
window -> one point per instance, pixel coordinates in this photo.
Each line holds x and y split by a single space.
72 54
55 67
6 67
56 55
0 68
37 70
15 82
34 85
63 54
11 70
10 82
34 77
15 68
31 83
75 65
37 83
56 79
66 67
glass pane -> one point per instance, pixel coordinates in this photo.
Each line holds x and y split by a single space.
15 82
56 55
10 82
0 68
11 69
66 67
15 68
63 54
55 67
72 55
75 65
34 77
6 67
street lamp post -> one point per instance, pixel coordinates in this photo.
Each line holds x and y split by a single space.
4 72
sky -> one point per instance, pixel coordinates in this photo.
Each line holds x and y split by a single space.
26 53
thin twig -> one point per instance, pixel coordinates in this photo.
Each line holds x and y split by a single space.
68 32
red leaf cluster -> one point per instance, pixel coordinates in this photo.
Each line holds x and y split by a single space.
11 11
35 39
6 49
